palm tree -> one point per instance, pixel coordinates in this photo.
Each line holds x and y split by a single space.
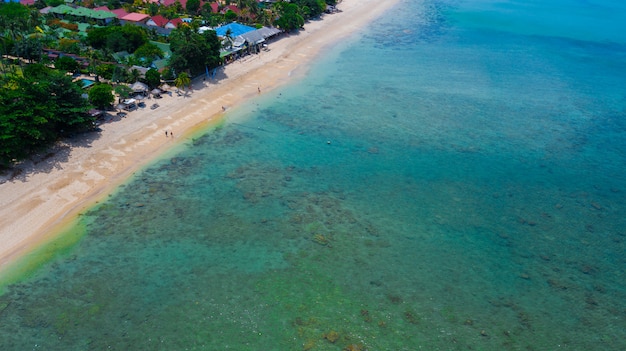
182 81
229 38
134 75
94 57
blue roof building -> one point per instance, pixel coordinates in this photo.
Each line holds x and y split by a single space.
236 29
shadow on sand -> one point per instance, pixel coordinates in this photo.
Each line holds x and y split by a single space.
54 157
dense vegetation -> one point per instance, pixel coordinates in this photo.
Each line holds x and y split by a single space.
194 52
36 109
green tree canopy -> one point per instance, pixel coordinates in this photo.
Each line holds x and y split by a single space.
105 70
310 8
14 16
230 16
193 52
37 108
148 52
290 19
123 91
101 95
67 64
153 78
28 48
192 6
117 38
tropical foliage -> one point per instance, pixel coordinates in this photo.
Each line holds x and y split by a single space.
182 81
153 78
36 109
193 52
117 38
101 95
290 18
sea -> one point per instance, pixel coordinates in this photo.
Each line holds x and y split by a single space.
451 177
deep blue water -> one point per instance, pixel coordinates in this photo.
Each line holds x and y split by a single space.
451 178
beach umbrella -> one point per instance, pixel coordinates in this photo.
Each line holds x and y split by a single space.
165 86
156 91
139 87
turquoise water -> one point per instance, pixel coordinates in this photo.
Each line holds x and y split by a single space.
450 179
87 82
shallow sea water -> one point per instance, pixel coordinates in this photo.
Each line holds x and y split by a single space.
451 179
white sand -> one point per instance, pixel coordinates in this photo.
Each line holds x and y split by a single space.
36 203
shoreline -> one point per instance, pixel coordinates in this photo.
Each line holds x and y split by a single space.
39 203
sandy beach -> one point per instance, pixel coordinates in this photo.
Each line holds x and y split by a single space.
43 194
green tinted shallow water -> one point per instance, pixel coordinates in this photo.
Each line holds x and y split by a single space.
470 198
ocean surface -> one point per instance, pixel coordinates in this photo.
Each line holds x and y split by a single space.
453 177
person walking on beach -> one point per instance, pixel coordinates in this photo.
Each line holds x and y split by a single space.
166 133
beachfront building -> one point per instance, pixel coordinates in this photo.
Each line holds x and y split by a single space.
239 40
119 13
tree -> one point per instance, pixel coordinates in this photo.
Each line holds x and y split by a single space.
182 81
101 96
123 91
230 16
193 52
66 63
105 71
119 74
133 75
290 19
153 78
147 53
153 9
37 108
97 37
310 8
168 74
193 6
28 48
117 38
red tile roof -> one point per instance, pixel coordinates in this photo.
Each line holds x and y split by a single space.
233 8
159 20
215 7
120 13
175 22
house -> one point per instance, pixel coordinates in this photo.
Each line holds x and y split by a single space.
119 13
215 7
82 14
157 21
27 2
235 28
173 23
135 18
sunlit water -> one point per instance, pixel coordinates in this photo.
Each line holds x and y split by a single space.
450 179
